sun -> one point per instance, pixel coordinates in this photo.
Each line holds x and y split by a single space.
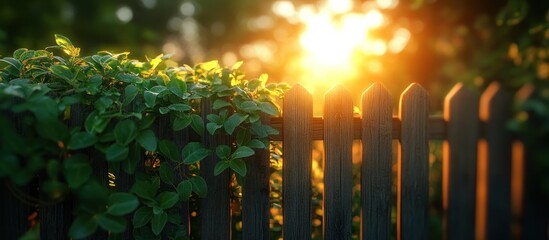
330 38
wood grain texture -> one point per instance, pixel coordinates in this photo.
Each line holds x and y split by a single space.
495 112
437 128
413 165
376 172
255 195
338 165
460 162
296 168
215 211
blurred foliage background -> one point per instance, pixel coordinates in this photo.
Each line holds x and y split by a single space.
434 42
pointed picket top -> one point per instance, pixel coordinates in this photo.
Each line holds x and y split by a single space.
297 90
338 89
459 95
493 97
338 95
525 92
378 90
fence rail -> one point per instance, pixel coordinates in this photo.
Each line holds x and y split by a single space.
487 189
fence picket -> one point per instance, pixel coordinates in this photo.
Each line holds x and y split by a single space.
494 183
534 211
296 170
376 173
338 165
255 195
215 207
460 162
413 165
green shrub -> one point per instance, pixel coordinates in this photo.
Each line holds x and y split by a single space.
122 99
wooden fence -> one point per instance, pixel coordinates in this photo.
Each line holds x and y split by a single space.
487 193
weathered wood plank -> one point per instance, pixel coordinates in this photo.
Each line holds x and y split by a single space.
163 130
255 195
338 165
437 128
215 208
495 159
376 172
533 209
460 162
413 165
296 168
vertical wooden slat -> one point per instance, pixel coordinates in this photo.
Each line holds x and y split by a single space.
495 163
460 162
215 208
163 130
296 168
376 173
255 195
338 175
413 165
14 211
534 208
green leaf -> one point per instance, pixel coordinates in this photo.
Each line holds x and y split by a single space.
103 103
52 129
169 149
95 123
142 216
113 224
243 136
63 72
81 140
150 98
199 186
233 121
221 166
220 103
166 173
239 166
248 106
223 151
212 127
177 87
194 152
197 124
147 140
52 168
125 132
130 92
180 123
144 189
268 108
62 41
77 170
254 143
242 152
167 199
163 110
158 222
116 153
82 227
129 78
180 107
134 158
184 189
121 203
